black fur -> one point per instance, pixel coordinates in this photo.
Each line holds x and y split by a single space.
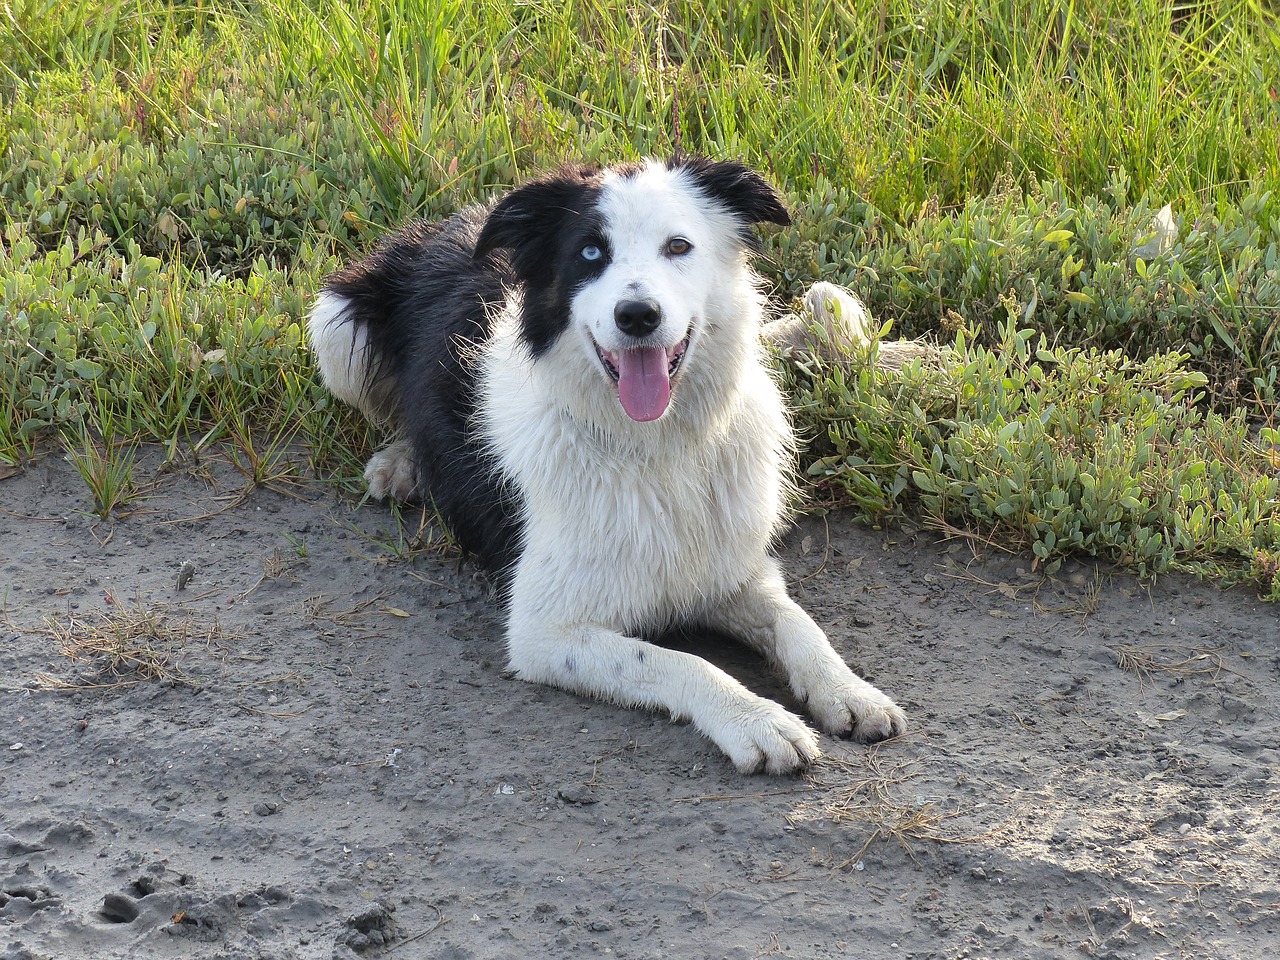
423 296
737 187
543 226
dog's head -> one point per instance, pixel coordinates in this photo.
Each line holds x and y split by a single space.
629 263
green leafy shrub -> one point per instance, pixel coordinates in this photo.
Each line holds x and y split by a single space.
219 196
159 344
1059 451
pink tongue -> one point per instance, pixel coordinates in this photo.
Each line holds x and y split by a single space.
643 385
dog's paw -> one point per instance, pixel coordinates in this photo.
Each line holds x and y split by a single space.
391 473
761 736
847 706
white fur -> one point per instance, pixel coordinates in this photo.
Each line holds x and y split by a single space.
341 350
841 315
392 473
632 528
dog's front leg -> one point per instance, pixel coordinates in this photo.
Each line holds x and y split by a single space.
762 615
756 734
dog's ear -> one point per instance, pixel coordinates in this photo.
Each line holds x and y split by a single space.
529 217
744 192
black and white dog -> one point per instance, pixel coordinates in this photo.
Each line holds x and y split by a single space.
579 387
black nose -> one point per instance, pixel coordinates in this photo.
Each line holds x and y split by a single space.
639 318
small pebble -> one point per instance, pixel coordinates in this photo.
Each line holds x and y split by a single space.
576 793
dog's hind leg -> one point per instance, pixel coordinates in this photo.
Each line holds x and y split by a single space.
756 734
762 615
351 370
348 362
833 323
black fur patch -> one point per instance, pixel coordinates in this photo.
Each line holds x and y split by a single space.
738 188
542 227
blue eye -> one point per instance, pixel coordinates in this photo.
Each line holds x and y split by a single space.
591 252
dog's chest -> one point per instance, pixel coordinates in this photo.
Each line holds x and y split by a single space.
648 539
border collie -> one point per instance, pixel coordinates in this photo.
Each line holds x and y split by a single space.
577 381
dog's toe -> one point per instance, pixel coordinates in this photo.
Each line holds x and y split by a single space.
849 707
771 739
391 472
878 721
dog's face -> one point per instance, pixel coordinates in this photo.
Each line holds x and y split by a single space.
626 263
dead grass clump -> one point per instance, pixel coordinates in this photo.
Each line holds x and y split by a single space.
275 567
321 610
123 646
1147 661
869 794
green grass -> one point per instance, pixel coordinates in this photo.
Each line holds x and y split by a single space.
105 467
177 178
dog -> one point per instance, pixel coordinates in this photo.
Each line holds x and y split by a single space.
578 385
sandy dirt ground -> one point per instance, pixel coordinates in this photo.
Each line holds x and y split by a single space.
315 754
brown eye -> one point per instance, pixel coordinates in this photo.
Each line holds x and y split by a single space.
678 246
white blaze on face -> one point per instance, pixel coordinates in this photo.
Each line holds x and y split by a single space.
646 217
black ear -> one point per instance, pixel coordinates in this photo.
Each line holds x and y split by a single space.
747 194
531 215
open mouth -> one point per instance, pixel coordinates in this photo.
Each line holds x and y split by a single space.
612 360
643 376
